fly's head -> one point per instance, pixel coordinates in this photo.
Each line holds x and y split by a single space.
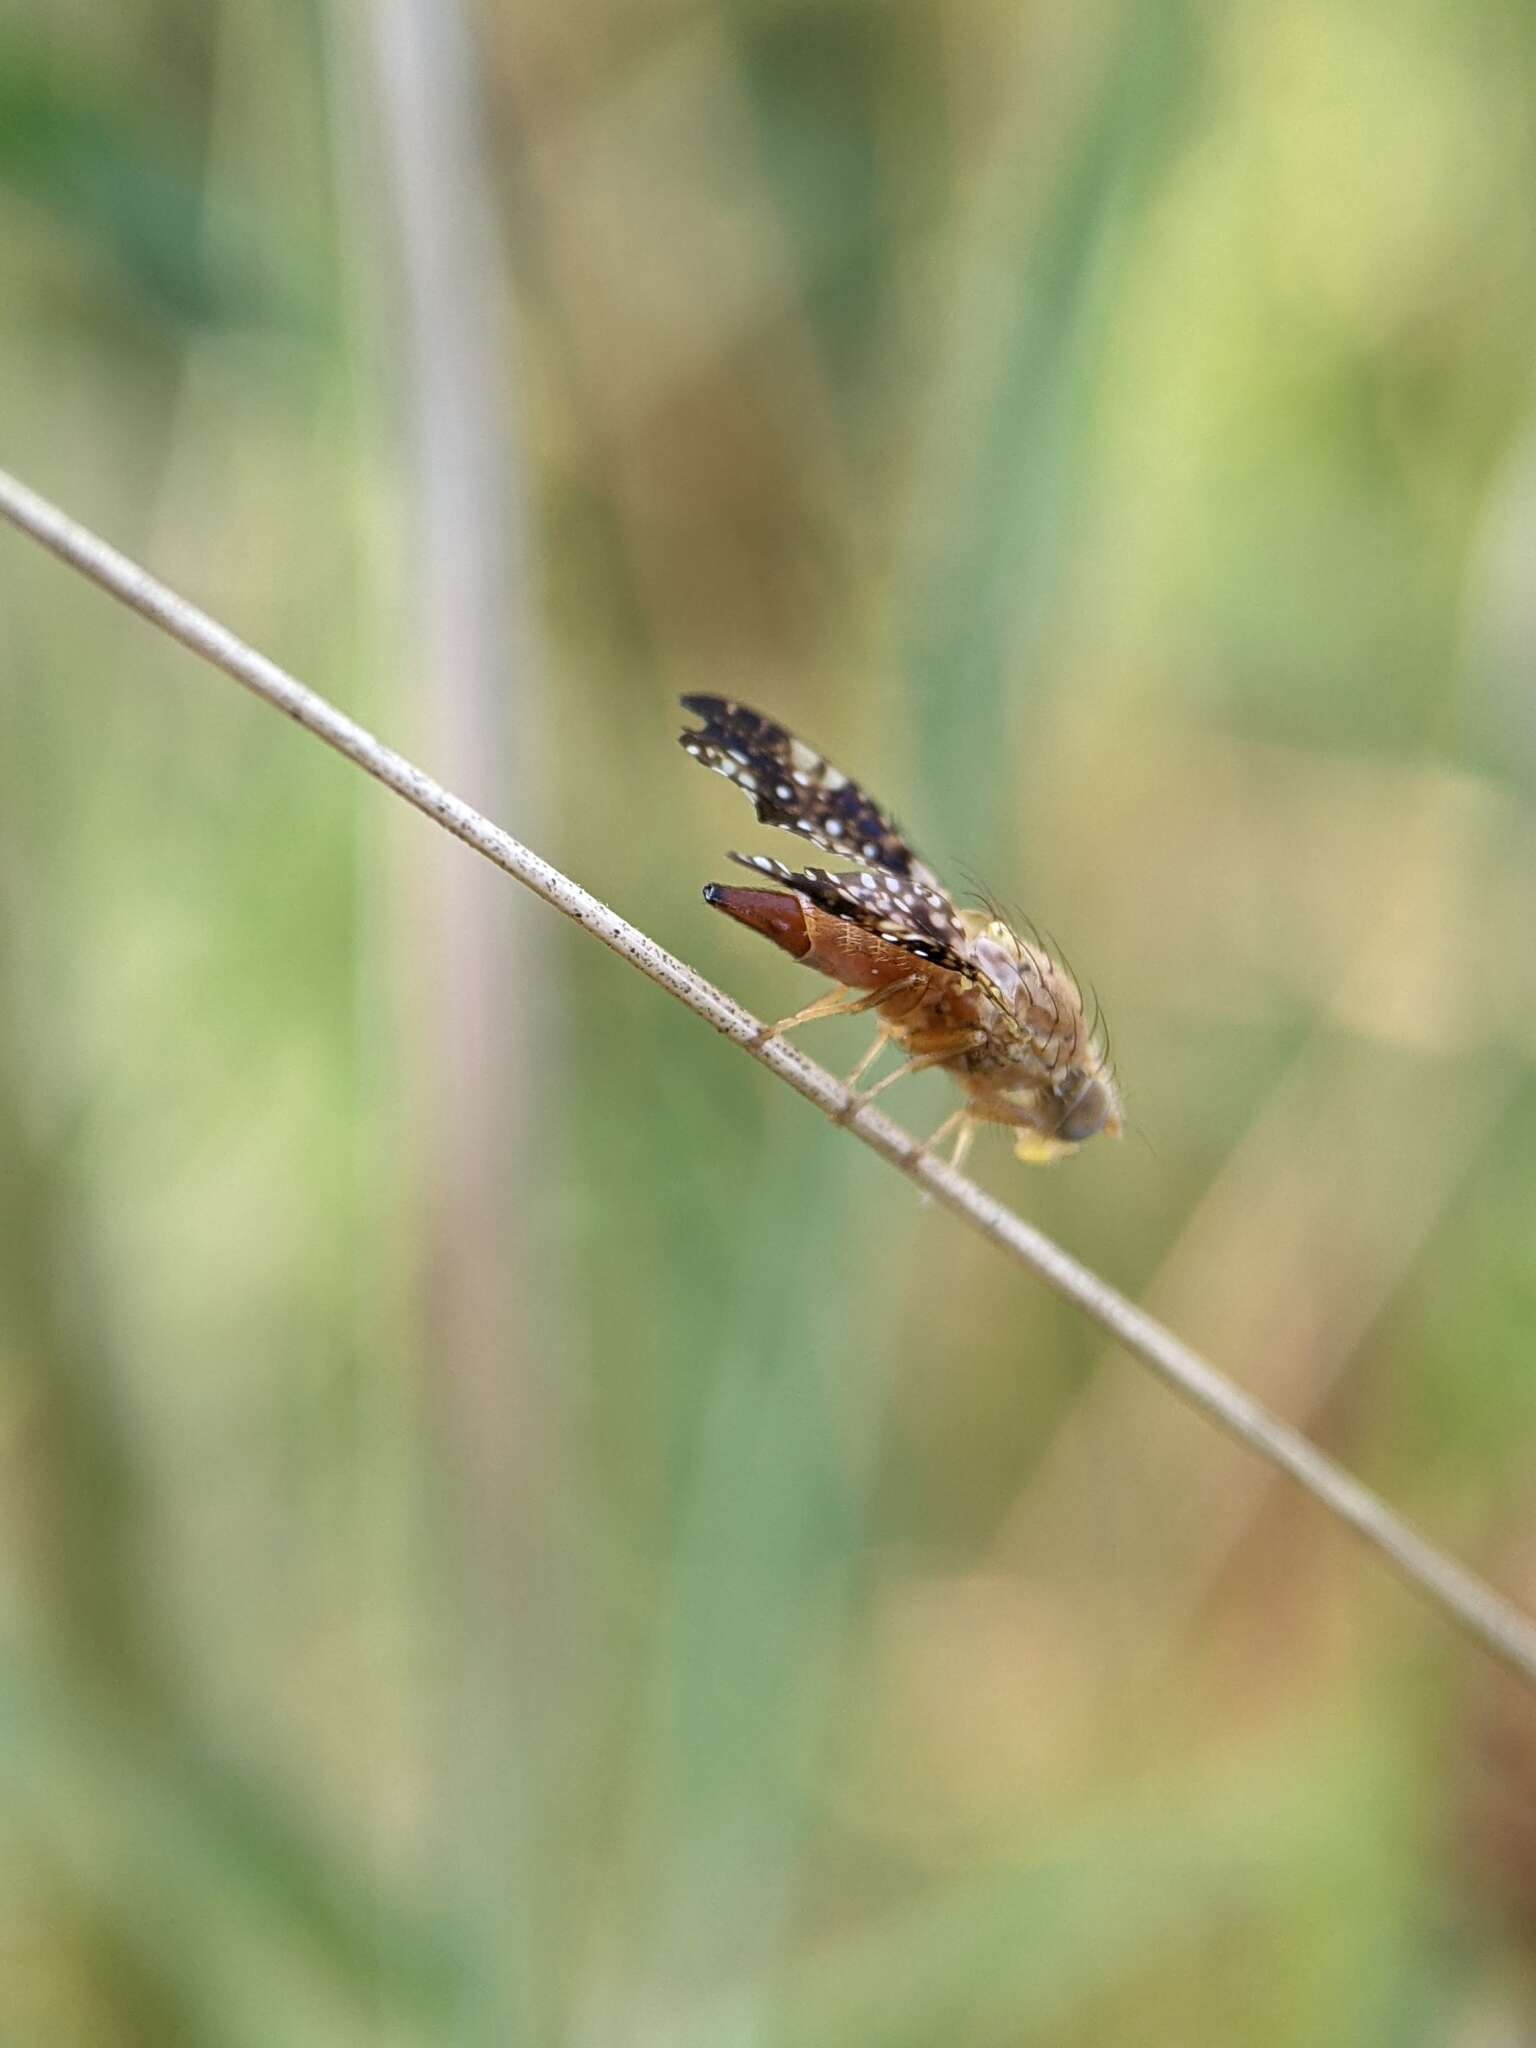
1078 1104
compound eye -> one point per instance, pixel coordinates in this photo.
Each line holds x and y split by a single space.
1091 1107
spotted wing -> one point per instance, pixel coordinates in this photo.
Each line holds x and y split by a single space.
895 894
883 903
794 787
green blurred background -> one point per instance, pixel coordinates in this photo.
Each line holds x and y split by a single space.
513 1530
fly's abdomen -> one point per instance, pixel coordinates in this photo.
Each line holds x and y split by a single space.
830 945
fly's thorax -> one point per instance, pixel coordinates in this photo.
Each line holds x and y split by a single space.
1046 1071
1001 1058
1043 1004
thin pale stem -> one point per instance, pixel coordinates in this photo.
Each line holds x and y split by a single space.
1483 1614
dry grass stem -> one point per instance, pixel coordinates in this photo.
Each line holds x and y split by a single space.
1483 1614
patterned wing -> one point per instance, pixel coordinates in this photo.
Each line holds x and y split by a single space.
899 911
796 788
895 894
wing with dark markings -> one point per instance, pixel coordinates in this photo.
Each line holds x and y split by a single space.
796 788
893 892
880 903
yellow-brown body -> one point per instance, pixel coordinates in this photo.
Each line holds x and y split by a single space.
1015 1037
950 988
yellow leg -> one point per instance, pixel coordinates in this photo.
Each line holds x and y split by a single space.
949 1124
963 1124
867 1062
839 1004
949 1043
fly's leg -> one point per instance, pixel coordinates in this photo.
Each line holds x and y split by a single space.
837 1003
867 1062
930 1049
950 1123
963 1124
911 985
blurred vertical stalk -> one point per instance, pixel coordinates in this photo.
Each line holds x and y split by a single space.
1009 443
439 307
